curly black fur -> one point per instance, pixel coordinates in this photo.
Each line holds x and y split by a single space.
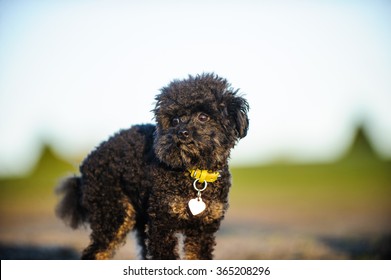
138 180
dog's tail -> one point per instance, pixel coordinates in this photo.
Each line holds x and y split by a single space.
70 208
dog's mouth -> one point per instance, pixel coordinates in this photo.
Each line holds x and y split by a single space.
189 152
185 144
187 149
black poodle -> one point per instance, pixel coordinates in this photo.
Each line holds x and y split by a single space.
163 179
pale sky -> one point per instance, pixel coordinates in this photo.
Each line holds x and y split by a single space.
72 73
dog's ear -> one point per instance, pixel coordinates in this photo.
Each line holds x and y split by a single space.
235 108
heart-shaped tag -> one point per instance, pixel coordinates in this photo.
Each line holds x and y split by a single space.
196 206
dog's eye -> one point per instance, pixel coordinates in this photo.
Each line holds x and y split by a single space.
203 117
175 121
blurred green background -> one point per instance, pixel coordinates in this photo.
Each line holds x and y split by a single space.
338 210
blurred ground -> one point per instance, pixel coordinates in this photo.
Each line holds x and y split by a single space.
280 211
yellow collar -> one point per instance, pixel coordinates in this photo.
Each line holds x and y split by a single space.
204 175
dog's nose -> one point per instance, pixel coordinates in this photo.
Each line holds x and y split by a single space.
183 133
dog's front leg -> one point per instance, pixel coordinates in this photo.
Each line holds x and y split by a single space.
199 244
162 244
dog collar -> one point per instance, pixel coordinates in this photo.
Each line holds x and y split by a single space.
204 175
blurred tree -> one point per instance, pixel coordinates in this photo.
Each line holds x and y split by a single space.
361 148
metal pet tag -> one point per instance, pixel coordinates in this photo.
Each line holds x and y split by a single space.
196 206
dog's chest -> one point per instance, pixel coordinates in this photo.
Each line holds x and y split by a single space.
174 195
180 208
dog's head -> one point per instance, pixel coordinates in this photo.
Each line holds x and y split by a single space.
199 120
